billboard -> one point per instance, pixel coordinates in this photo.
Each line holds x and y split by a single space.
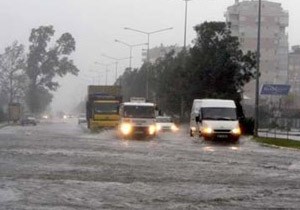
275 89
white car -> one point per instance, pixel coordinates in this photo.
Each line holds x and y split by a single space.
165 123
82 118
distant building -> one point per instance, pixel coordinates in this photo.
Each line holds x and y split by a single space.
158 52
243 19
294 75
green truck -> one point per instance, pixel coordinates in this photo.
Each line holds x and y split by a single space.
102 107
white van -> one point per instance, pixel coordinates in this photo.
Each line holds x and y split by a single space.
137 118
215 119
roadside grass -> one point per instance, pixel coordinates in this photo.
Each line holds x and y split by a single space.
278 142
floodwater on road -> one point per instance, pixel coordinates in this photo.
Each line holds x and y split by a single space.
61 165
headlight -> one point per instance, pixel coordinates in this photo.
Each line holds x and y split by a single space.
152 129
236 131
126 128
193 128
158 127
174 128
207 130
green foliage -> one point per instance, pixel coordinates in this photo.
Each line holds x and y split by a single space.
12 78
44 63
219 67
214 67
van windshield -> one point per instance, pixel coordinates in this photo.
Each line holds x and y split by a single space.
139 111
218 113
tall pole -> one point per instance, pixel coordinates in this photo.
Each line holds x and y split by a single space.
116 76
148 50
185 23
130 49
106 70
116 62
184 59
256 123
148 60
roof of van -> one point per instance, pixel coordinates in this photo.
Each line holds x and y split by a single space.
214 103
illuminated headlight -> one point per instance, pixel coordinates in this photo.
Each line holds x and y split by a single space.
45 116
152 129
126 128
174 128
207 130
158 127
65 117
193 128
236 131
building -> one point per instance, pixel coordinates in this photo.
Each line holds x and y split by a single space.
294 76
160 51
243 19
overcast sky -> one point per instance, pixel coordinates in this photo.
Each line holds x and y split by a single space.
95 24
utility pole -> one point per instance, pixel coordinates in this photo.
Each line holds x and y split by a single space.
256 123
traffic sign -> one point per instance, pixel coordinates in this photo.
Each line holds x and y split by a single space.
275 89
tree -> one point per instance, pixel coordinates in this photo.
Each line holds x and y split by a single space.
220 68
214 67
44 63
12 77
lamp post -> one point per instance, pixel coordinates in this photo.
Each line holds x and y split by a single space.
258 71
116 62
185 23
130 48
106 69
148 48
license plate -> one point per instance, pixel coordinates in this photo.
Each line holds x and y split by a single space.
139 132
222 136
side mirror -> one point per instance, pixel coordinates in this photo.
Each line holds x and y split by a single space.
197 118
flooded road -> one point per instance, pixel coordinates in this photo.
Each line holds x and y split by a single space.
61 165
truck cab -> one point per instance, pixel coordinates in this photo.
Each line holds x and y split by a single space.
137 119
102 108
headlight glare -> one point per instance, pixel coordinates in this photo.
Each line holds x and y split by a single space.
126 128
207 130
236 131
152 129
174 128
158 127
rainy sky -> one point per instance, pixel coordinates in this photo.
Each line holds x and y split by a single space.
95 24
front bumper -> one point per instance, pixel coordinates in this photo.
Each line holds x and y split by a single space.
220 136
95 124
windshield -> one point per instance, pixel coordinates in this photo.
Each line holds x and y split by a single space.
163 119
219 113
139 111
106 108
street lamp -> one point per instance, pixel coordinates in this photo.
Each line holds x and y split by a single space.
148 48
148 36
106 69
185 23
258 71
116 62
130 48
